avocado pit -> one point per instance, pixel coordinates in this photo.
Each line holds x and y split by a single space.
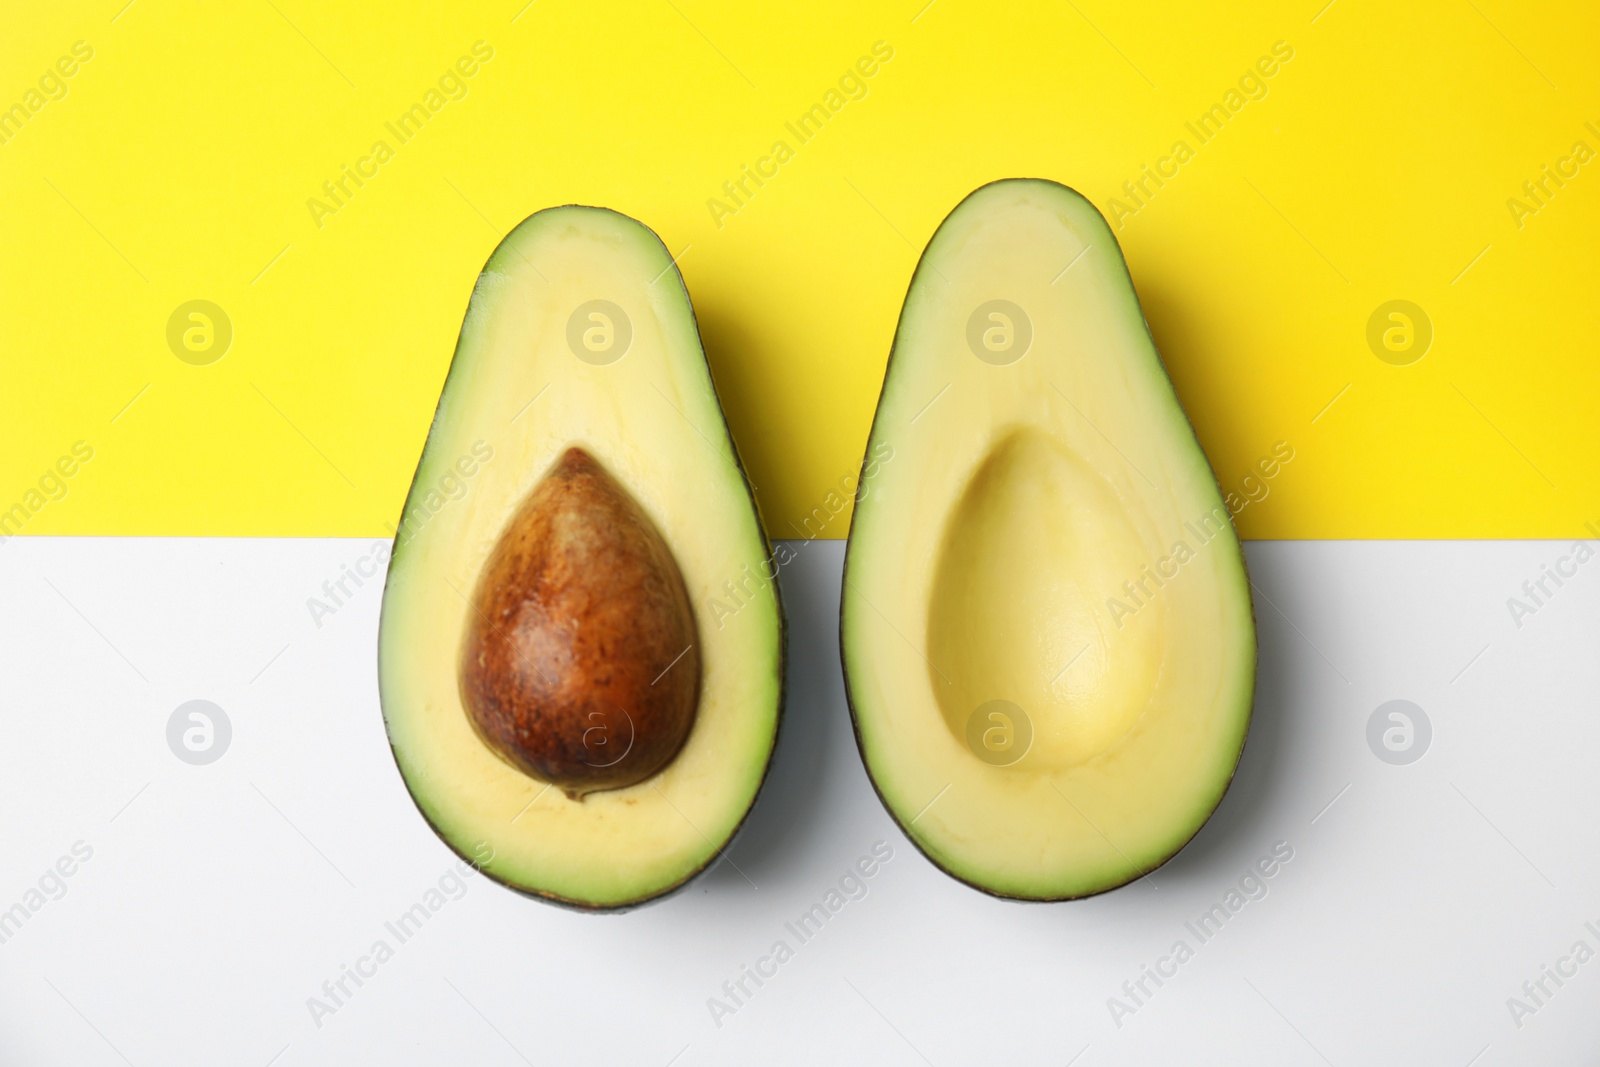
581 664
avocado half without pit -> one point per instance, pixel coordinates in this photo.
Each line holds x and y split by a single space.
565 708
1047 630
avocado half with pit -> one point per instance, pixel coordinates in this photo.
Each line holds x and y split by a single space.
1047 629
572 703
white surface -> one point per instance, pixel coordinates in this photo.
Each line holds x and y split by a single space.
220 897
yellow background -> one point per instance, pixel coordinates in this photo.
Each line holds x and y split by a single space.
179 165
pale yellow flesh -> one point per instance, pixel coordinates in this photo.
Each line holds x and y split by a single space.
984 556
652 420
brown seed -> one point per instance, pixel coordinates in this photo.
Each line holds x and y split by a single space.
581 666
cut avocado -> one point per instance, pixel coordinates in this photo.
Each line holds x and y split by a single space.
571 703
1046 627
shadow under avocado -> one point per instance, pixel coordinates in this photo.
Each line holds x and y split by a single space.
785 819
732 353
1255 799
783 814
1173 322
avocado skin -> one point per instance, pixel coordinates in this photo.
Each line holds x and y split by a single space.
844 662
777 595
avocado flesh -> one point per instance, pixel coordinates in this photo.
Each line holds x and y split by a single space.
517 399
1041 460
